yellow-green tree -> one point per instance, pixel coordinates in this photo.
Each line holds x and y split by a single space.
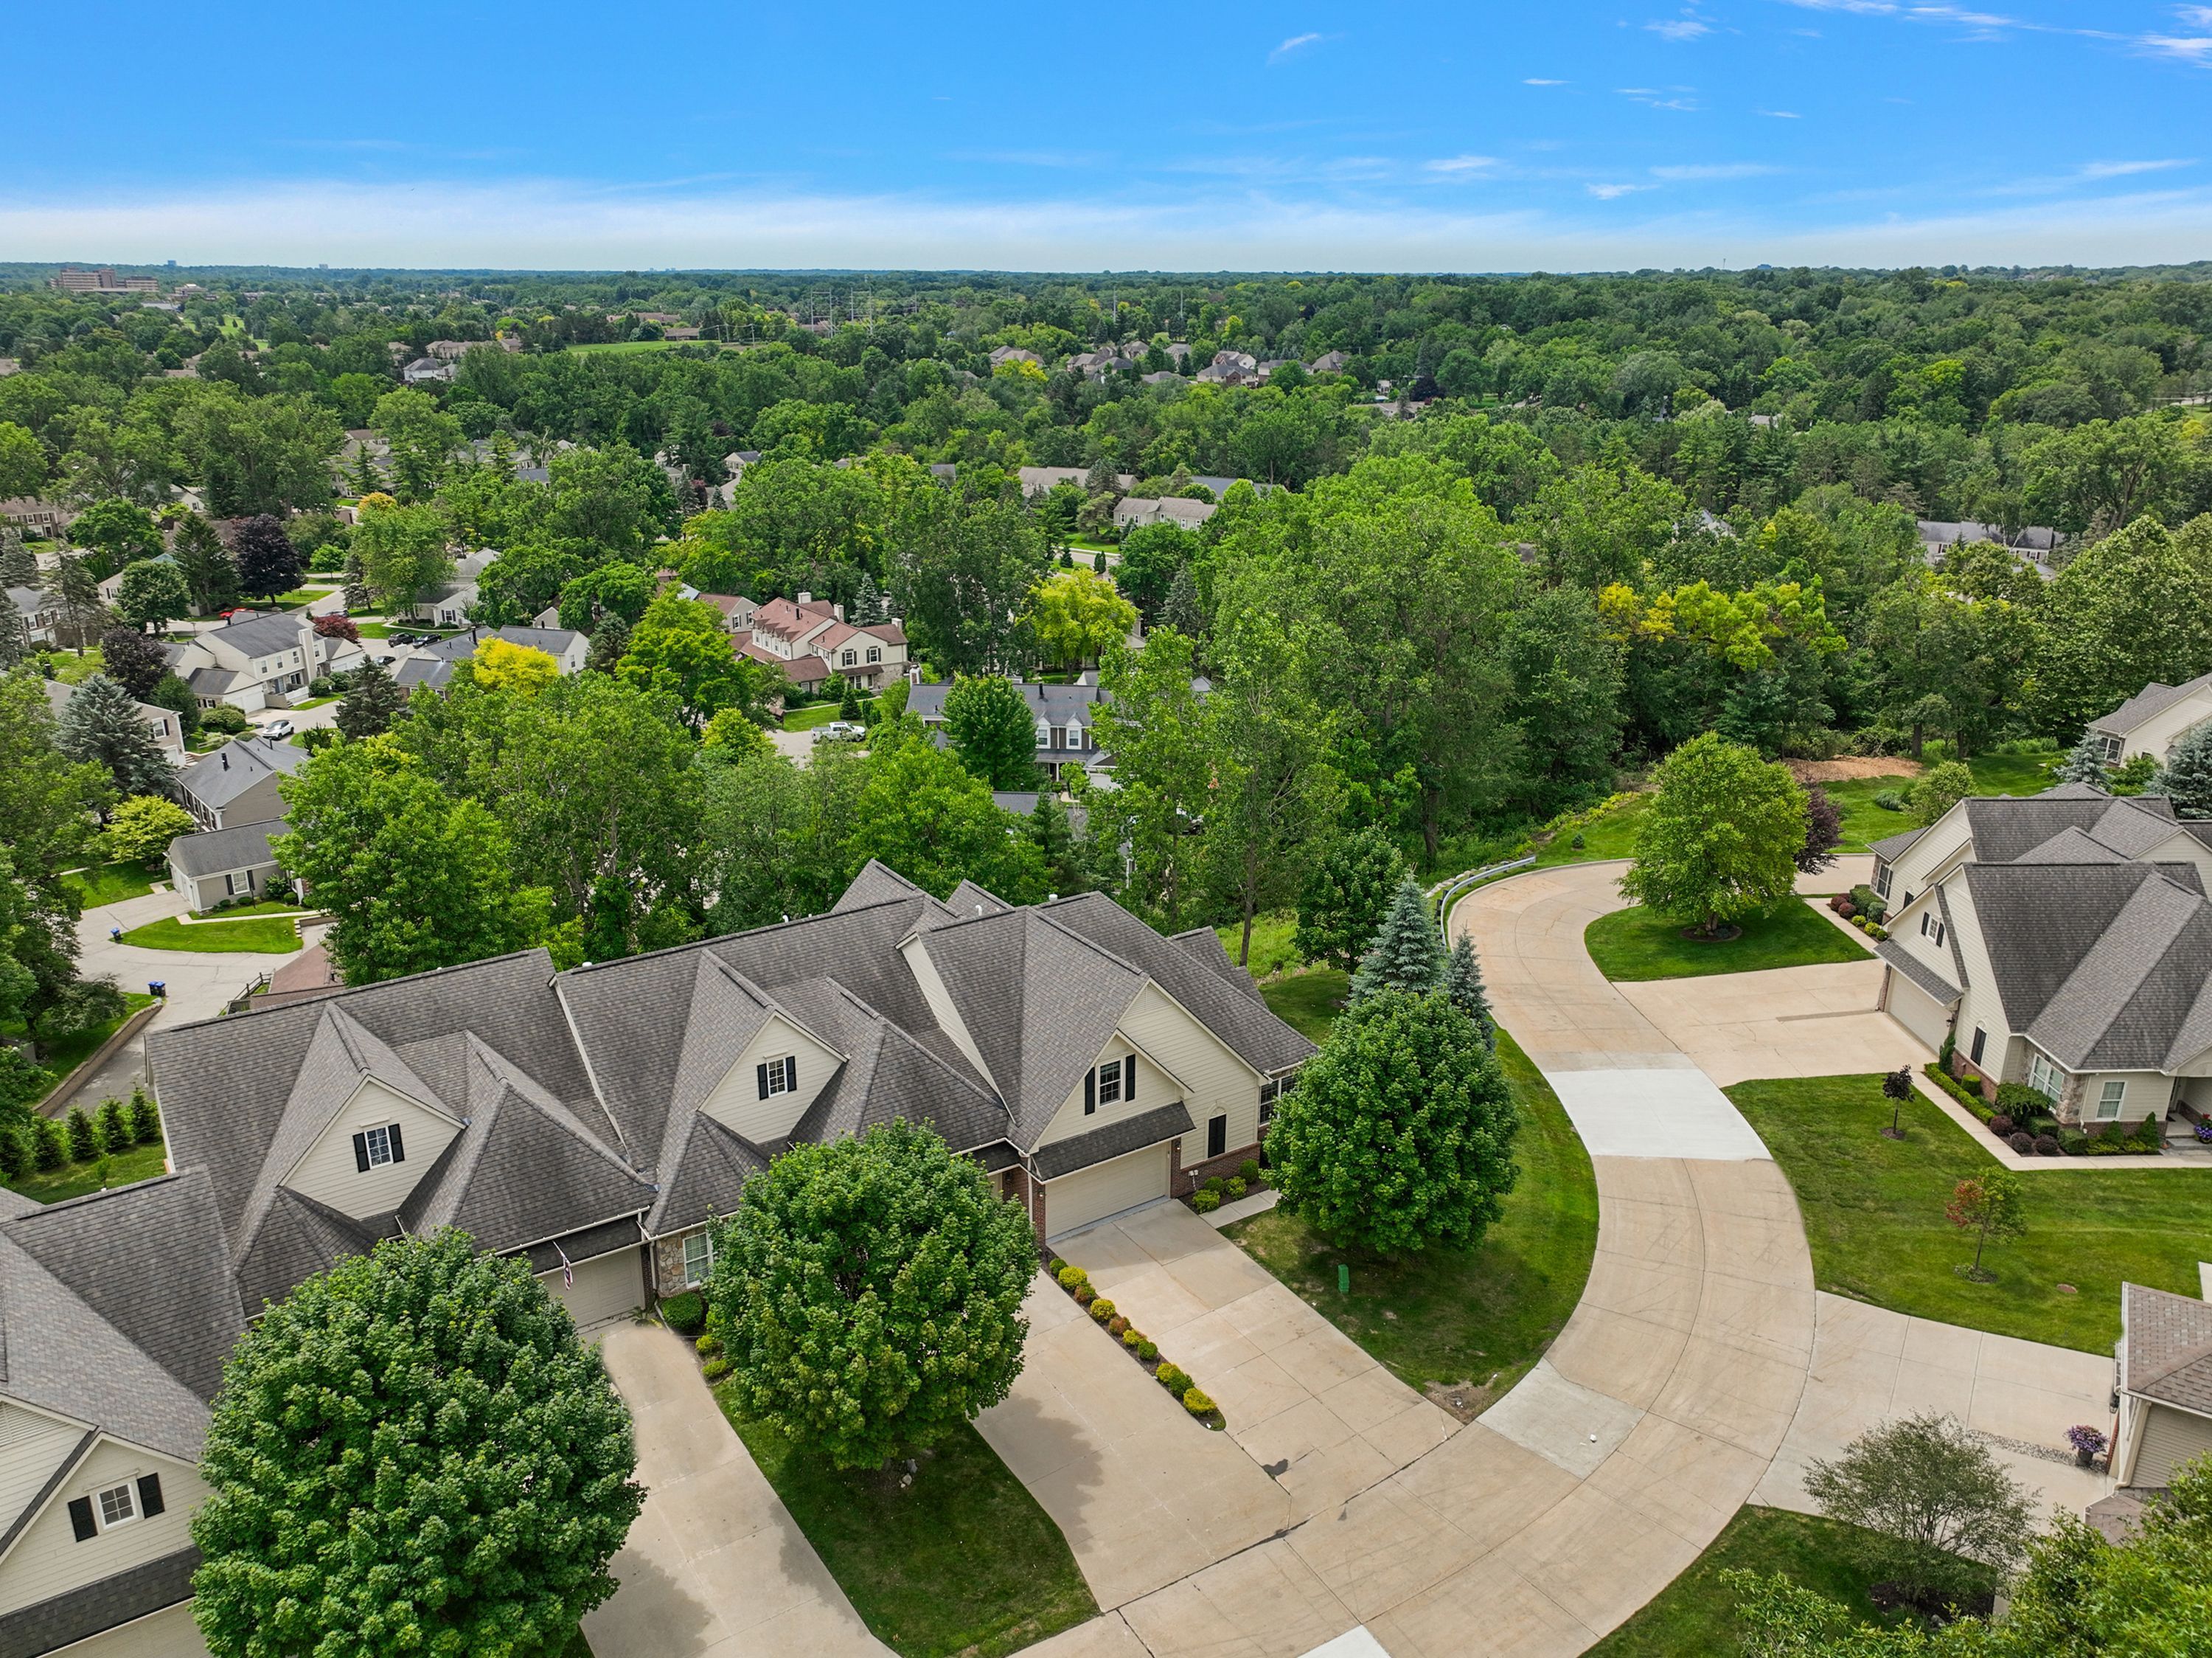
502 664
1078 616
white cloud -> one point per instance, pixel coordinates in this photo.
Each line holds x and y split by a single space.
1460 164
2190 49
1534 81
2122 169
1296 43
1606 193
1715 170
1679 28
1779 114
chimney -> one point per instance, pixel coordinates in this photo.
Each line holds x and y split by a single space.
805 598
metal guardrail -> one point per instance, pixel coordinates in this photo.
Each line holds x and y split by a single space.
1447 893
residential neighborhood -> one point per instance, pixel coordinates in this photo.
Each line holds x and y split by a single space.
1312 874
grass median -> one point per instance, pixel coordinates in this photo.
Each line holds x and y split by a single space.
254 936
1633 945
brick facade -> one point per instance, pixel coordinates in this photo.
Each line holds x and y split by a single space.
1184 1179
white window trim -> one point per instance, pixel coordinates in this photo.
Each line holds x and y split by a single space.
2117 1099
129 1494
1882 877
2047 1079
1108 1073
705 1241
377 1138
779 1078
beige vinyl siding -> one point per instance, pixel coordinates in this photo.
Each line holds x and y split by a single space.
329 1172
1216 1082
2146 1093
2156 735
2169 1438
2184 849
2002 1057
32 1446
736 1102
47 1560
1928 856
1103 1188
607 1287
916 952
169 1633
1155 1088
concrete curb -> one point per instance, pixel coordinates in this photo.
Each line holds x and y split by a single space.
130 1027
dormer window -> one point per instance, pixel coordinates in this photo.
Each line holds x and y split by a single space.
373 1148
776 1076
118 1505
1044 734
1114 1080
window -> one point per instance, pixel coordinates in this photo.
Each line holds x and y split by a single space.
2108 747
1931 928
848 659
1267 1103
1114 1080
2045 1078
777 1075
1109 1082
1217 1135
116 1507
238 882
1044 734
373 1148
875 653
1883 873
2108 1102
1981 1036
698 1257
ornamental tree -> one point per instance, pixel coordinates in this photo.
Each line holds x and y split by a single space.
142 827
993 730
868 1294
1408 954
502 664
1940 790
1078 616
1399 1134
2186 777
268 561
133 660
152 594
1931 1508
1721 838
1824 831
1348 893
411 1453
1988 1204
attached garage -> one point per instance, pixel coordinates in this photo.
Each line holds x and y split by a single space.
607 1287
1916 1009
2167 1439
1108 1188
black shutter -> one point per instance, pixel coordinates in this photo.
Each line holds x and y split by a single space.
360 1152
791 1073
398 1152
1981 1036
80 1519
760 1075
149 1495
1128 1076
1217 1135
1089 1091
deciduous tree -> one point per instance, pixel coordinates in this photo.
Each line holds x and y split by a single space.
134 660
151 593
268 562
1076 616
479 1467
1932 1509
402 550
680 650
1348 890
142 827
502 664
1990 1205
868 1293
993 730
1721 839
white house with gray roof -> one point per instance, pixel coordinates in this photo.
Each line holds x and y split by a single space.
2153 720
2063 941
1066 715
2165 1387
224 866
253 662
237 783
433 664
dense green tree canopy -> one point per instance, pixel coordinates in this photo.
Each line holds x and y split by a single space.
1721 838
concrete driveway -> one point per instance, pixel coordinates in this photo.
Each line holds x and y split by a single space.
1787 1022
1298 1393
715 1567
1144 1495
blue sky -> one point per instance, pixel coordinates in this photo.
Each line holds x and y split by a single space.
1398 134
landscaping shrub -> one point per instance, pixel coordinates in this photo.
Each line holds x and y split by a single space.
1055 1266
1248 1171
1205 1202
51 1149
1145 1349
1844 907
1172 1377
83 1137
2022 1143
2001 1125
1101 1309
2046 1145
1071 1278
1889 800
114 1127
1197 1403
1117 1326
1133 1337
145 1117
2020 1101
685 1313
709 1346
1212 1185
14 1155
1084 1295
1951 1085
716 1368
1235 1188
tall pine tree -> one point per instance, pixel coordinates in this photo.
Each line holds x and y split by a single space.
101 722
210 576
1464 983
373 703
1407 955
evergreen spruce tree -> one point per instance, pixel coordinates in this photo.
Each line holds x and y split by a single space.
867 602
210 575
145 1117
75 592
373 703
101 722
2085 764
1180 609
2186 777
364 477
1407 955
83 1138
19 566
610 644
1464 983
357 597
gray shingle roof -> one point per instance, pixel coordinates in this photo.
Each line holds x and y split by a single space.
422 670
118 1309
1057 1157
262 636
2006 826
2152 699
221 777
2167 1355
1890 848
1204 946
111 1601
218 851
298 1238
553 641
1917 971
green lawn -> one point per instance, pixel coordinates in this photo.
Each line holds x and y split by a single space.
109 883
1481 1316
312 702
1272 949
262 934
2014 774
263 907
1865 822
962 1562
1612 836
819 714
74 1179
72 668
58 1059
1633 944
1873 1213
631 347
1309 1002
1695 1614
303 595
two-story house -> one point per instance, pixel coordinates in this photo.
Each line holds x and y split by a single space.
433 664
253 662
35 615
2062 941
811 640
237 783
2153 720
1067 717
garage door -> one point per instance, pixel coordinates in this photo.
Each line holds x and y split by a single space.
1917 1011
606 1287
1103 1188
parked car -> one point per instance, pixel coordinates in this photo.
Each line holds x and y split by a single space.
276 728
840 731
